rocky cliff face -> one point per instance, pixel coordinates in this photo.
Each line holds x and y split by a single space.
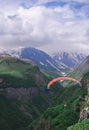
83 123
84 113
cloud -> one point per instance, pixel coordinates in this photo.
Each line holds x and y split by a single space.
47 28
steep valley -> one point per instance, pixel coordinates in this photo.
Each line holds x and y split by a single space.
23 95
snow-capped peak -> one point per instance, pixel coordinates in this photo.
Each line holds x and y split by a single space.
68 59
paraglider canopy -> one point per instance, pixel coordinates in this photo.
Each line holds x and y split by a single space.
62 78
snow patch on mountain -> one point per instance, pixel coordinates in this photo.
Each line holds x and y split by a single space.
58 61
68 60
41 63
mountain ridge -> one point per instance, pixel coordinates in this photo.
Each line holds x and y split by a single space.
23 95
58 61
69 59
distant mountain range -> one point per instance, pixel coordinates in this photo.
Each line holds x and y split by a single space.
23 94
81 69
42 59
58 61
68 60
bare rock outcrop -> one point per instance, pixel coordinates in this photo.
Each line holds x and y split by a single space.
84 113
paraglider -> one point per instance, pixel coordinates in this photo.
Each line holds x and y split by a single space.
65 105
60 79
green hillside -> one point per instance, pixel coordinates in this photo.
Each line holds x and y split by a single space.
23 97
84 125
59 117
65 110
25 104
15 72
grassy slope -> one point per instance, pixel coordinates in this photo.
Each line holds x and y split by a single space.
17 111
60 117
18 114
11 117
18 73
83 125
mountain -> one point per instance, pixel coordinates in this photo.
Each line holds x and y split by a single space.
59 62
42 59
78 72
83 122
81 69
68 104
21 69
24 100
68 60
23 97
64 114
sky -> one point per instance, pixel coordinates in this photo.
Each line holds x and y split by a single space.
48 25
